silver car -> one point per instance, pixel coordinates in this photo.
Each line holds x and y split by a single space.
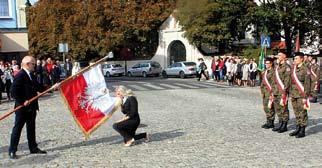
145 69
181 69
112 70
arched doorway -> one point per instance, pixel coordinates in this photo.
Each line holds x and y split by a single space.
177 51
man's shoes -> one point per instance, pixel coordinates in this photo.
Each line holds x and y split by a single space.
38 151
129 143
13 155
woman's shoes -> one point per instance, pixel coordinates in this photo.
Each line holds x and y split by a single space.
147 138
129 143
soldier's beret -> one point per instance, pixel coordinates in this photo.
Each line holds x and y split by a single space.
299 54
270 59
283 51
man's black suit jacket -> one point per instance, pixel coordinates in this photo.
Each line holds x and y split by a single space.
23 88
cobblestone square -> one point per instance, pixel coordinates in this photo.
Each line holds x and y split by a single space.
203 127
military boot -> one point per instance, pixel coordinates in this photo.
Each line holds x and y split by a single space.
296 131
283 127
301 133
268 124
278 127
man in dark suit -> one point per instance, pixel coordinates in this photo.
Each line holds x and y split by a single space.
68 66
24 87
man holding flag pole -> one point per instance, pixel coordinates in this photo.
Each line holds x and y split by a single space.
24 88
85 94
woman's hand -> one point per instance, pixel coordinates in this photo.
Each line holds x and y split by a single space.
123 119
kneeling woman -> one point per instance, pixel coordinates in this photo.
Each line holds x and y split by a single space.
130 122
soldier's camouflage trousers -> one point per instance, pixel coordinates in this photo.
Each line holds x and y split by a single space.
299 112
282 111
270 112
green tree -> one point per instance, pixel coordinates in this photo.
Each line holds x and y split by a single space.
285 18
213 22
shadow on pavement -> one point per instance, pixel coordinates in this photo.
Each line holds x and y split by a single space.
24 146
86 143
314 125
29 160
161 136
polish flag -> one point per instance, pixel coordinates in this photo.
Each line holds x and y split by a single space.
88 99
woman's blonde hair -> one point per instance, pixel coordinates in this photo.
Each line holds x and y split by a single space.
125 91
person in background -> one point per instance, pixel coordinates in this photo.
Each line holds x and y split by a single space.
76 68
56 72
245 71
239 72
252 72
7 79
202 69
214 68
315 78
130 122
68 66
39 73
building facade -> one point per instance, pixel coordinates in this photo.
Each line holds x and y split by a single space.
13 30
174 47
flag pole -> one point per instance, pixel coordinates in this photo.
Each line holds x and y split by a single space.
7 114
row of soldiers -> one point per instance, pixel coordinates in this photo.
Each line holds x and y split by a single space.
281 80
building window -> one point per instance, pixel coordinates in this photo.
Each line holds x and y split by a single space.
5 9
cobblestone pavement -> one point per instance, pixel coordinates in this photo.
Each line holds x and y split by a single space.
201 127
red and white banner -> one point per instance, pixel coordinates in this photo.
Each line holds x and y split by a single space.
281 88
88 99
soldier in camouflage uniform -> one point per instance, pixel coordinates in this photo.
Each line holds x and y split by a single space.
315 78
282 78
267 86
299 93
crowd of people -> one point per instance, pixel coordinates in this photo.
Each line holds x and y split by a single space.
47 72
232 69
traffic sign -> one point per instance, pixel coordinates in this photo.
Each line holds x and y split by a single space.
265 41
63 47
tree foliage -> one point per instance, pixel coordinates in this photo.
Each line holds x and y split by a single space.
285 18
92 28
212 22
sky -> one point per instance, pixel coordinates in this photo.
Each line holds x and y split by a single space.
33 1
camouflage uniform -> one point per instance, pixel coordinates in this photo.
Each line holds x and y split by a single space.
315 80
284 71
266 93
303 75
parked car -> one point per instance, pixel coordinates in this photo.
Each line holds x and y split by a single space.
145 69
112 70
181 69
